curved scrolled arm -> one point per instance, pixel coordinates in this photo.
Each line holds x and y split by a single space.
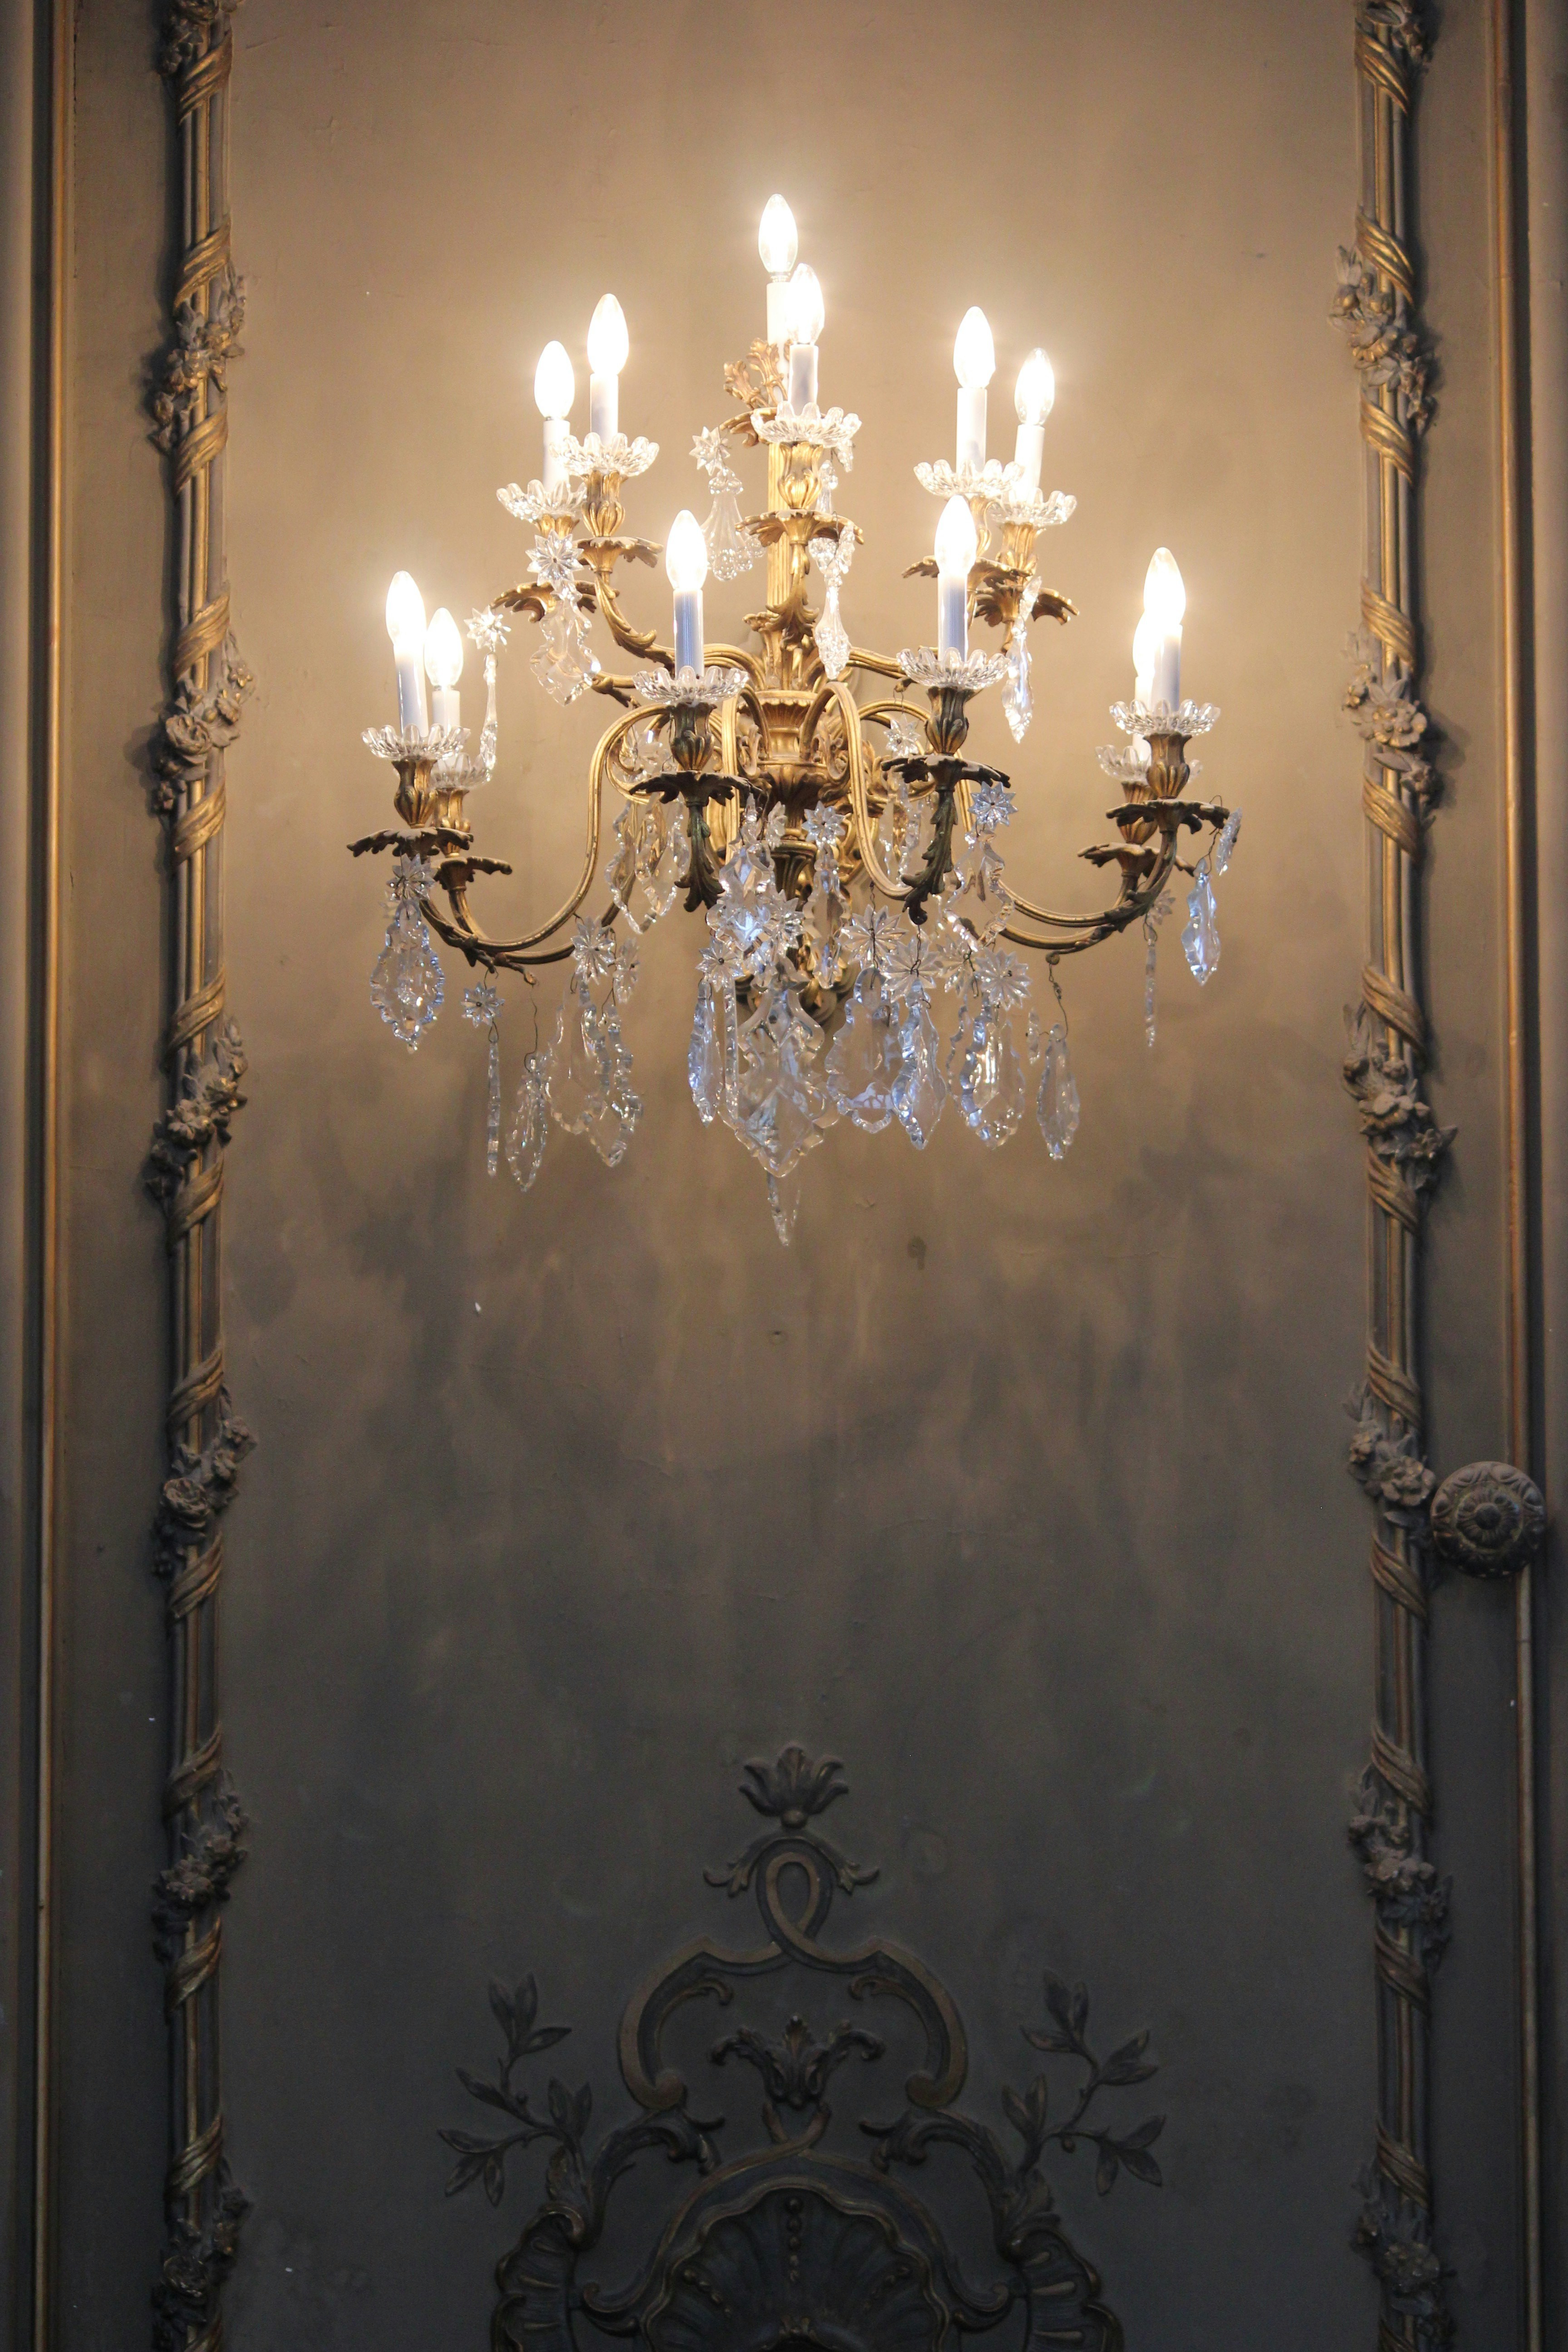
463 933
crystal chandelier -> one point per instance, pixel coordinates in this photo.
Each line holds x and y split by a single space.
841 851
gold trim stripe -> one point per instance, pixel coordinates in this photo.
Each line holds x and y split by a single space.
195 1201
190 1971
201 821
199 2157
1382 70
1390 816
192 1395
199 1012
1384 251
202 635
1392 1004
1402 1773
200 445
207 76
1398 1579
1389 438
196 1580
1392 628
1400 1973
194 1772
205 260
1402 2168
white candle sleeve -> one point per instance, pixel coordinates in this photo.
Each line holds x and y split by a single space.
803 376
778 310
689 629
1028 453
952 613
971 427
1165 682
557 433
604 407
411 706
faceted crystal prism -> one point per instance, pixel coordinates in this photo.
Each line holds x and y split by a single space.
1057 1106
731 550
866 1058
979 898
576 1075
781 1109
988 1074
530 1129
705 1054
1017 701
1200 935
564 665
1224 847
407 985
919 1089
784 1204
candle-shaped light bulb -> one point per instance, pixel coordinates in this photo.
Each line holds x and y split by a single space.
1164 602
406 628
778 243
957 545
444 668
686 562
806 320
974 364
1033 397
608 345
554 390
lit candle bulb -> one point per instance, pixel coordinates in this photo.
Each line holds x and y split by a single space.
806 321
686 562
406 628
1033 397
1164 602
974 364
444 668
554 390
778 243
957 545
608 349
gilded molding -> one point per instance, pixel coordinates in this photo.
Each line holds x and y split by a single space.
1377 305
1486 1519
208 684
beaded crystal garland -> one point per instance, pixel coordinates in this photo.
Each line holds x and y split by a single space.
864 951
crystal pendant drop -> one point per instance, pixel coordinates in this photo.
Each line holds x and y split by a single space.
1200 935
530 1129
919 1089
705 1055
1017 701
731 550
407 985
979 898
1058 1105
866 1058
564 665
576 1075
492 1106
990 1076
1224 847
779 1107
784 1204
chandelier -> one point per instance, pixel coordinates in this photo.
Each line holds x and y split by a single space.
808 800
